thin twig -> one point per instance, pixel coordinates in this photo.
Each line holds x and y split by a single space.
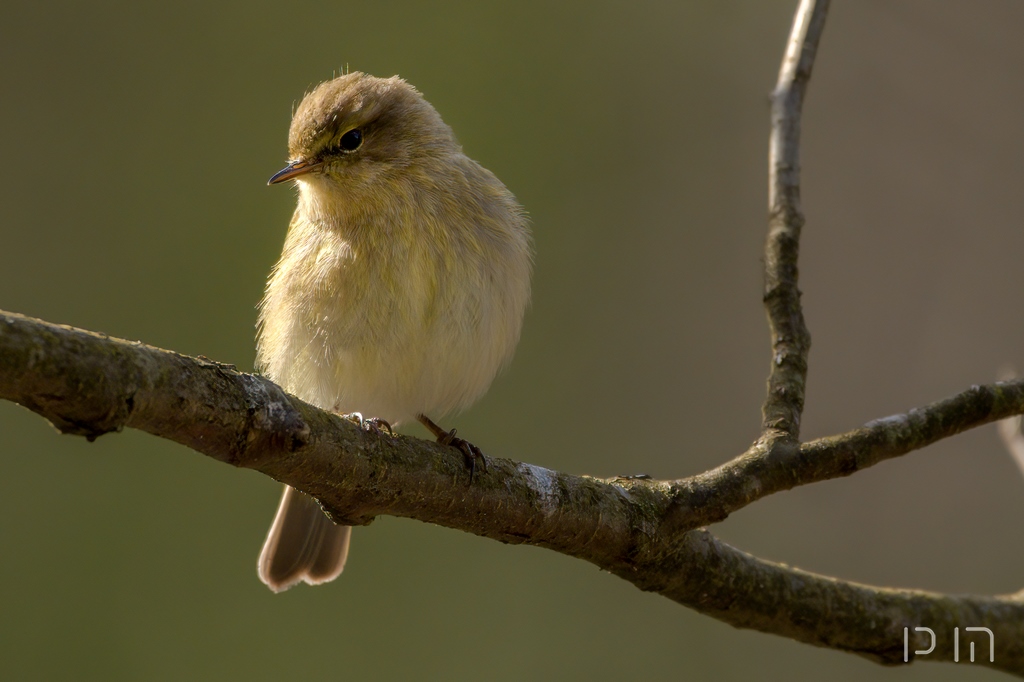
790 339
760 472
1013 439
1010 429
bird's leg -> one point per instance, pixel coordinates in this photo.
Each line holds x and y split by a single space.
471 452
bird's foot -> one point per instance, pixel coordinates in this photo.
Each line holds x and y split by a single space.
471 452
370 424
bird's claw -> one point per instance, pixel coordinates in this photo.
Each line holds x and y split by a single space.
370 424
471 452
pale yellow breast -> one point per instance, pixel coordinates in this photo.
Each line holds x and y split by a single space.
399 314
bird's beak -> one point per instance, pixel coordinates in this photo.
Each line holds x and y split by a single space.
293 170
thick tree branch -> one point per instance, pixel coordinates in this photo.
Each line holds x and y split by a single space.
643 531
841 615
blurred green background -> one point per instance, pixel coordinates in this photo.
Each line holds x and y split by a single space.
136 143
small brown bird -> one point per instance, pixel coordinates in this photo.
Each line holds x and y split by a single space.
401 289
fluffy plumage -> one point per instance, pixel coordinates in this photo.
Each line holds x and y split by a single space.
403 282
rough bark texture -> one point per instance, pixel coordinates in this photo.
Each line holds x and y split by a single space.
647 532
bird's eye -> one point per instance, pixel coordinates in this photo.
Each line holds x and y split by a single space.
351 140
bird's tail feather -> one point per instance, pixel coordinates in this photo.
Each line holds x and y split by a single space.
303 544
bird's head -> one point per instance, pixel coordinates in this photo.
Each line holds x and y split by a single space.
357 130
